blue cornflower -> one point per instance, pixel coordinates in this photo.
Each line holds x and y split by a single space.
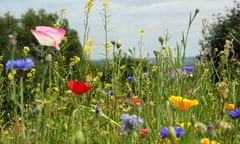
179 132
164 132
188 69
110 91
234 114
130 79
130 122
20 64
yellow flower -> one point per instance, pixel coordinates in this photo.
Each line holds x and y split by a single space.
88 50
62 108
141 31
122 67
89 4
108 85
207 141
47 101
63 10
154 68
90 42
230 107
26 50
182 103
105 4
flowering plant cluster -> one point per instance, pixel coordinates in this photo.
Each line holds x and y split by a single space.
64 99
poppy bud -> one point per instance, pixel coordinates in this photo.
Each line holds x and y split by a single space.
172 134
161 39
118 43
78 137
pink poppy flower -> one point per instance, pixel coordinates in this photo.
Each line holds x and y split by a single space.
49 36
78 87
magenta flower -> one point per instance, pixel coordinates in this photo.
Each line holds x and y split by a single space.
49 36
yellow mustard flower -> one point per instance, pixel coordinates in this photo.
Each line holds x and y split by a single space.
108 86
26 50
63 10
141 31
89 4
105 4
230 107
182 103
90 42
207 141
154 68
88 50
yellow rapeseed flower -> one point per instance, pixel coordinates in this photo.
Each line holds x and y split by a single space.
182 103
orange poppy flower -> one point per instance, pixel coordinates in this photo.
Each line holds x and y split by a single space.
136 101
182 103
230 107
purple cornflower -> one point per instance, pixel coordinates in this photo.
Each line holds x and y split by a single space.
147 73
234 114
197 57
164 132
130 79
130 122
20 64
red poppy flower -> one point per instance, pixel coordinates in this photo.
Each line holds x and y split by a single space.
78 87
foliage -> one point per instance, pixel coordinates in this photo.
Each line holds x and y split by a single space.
223 39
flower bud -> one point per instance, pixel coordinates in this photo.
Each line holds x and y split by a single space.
211 130
119 43
161 39
78 137
172 134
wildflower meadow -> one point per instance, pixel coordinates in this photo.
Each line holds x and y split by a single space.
135 101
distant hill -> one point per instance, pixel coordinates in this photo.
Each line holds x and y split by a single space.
189 61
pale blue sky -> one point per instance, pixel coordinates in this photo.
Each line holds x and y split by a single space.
127 16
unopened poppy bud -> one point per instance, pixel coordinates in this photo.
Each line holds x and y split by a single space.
119 43
78 137
211 130
161 39
172 134
196 10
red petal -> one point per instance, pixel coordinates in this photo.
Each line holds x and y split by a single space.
78 87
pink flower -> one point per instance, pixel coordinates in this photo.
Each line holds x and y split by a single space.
49 36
